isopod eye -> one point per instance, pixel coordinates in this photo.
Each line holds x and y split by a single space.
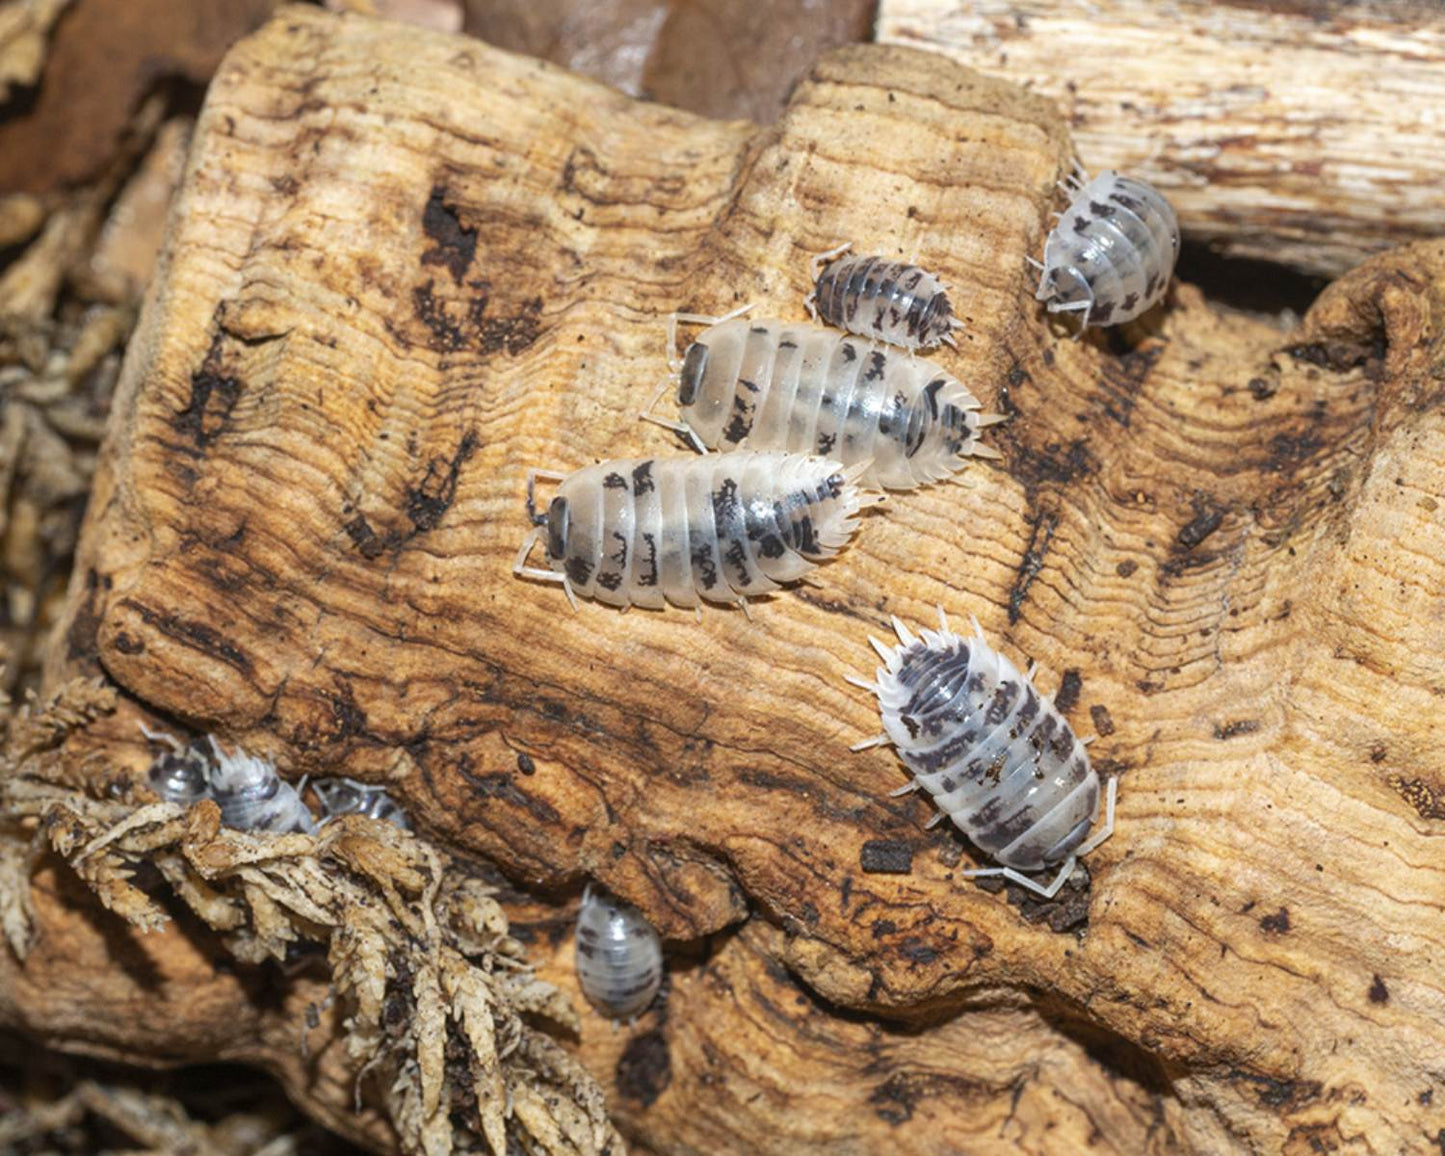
557 523
694 365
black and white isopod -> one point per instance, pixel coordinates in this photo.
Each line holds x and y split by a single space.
725 527
996 756
619 955
1112 253
798 387
352 797
253 796
892 301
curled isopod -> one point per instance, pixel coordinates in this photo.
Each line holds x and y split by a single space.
996 756
724 527
350 797
1112 253
801 388
619 956
252 796
892 301
182 774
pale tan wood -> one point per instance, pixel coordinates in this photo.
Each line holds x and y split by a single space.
1306 133
1232 540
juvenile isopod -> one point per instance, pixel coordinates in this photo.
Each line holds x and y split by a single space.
182 774
996 756
793 386
1112 253
350 797
619 956
892 301
724 527
253 797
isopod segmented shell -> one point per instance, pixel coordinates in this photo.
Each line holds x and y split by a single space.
619 955
254 797
724 527
1112 253
997 757
182 774
890 301
801 388
351 797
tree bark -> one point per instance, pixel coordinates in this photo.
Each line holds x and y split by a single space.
1304 133
405 267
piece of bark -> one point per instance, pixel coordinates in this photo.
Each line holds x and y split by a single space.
723 60
1303 133
406 267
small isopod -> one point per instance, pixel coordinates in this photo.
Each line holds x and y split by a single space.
892 301
789 385
619 956
182 774
350 797
723 527
1112 253
996 756
253 797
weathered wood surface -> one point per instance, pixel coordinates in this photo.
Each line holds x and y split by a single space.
405 267
1304 133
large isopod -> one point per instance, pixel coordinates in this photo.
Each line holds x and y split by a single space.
724 527
619 956
1112 253
998 758
801 388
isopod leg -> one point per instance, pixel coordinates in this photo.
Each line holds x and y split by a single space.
907 789
1110 797
878 740
1023 880
162 737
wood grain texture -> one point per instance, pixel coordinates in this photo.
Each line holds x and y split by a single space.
1303 133
405 267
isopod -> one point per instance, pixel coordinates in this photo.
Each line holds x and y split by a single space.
350 797
619 956
183 774
892 301
789 385
723 528
253 797
996 756
1112 253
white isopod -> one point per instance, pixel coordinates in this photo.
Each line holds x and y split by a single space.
892 301
250 793
619 956
793 386
351 797
1112 253
996 756
724 527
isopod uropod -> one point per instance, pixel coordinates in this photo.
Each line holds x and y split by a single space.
790 385
996 756
1112 253
351 797
892 301
619 956
724 528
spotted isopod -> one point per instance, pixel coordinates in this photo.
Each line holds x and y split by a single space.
892 301
619 956
789 385
351 797
1112 253
996 756
248 790
723 528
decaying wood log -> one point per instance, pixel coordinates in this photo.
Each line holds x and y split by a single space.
404 267
1304 133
